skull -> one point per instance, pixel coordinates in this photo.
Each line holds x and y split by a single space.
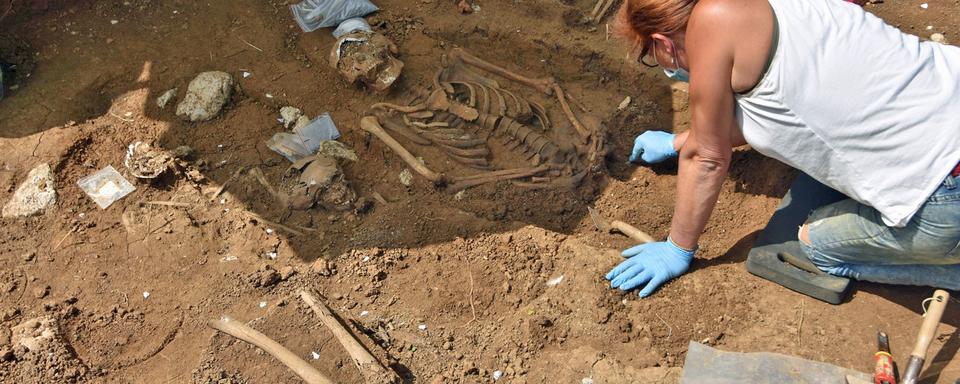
367 57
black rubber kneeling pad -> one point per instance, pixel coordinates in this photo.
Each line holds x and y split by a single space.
777 255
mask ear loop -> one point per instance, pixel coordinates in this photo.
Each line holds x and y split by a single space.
674 60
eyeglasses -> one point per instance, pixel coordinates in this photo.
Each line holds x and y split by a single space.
642 58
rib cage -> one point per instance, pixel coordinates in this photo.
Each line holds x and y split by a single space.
521 125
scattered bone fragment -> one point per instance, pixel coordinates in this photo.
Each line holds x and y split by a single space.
317 181
290 115
166 98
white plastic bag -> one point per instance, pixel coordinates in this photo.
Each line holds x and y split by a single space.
315 14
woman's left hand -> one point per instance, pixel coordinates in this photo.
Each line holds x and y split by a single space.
650 265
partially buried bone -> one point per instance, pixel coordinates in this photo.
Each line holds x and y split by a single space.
370 124
317 180
367 57
546 85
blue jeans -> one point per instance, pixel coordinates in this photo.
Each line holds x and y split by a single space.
849 239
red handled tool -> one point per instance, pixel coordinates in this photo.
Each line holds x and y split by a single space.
883 370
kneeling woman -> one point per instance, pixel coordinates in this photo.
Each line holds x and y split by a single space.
826 88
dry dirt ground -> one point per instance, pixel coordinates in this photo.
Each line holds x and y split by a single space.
443 288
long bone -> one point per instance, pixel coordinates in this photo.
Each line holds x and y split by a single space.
404 131
543 85
546 85
436 102
495 176
459 72
603 11
370 124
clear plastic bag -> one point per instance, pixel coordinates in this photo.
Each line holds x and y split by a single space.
106 186
315 14
351 25
304 141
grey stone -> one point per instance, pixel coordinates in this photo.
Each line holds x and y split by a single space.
206 95
34 196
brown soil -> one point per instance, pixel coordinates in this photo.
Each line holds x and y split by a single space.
443 288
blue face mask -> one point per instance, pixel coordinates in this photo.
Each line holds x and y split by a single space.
678 74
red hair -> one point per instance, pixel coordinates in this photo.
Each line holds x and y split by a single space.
638 19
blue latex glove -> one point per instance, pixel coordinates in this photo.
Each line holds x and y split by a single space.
653 147
651 264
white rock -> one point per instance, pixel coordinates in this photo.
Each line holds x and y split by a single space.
34 334
555 281
624 104
35 195
586 380
924 6
166 97
206 95
497 375
938 38
406 177
290 115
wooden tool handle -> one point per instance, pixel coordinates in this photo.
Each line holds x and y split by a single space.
243 332
930 322
632 232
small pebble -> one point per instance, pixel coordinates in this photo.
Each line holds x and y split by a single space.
114 22
422 327
924 5
316 356
269 231
497 375
246 74
938 38
586 380
146 295
364 313
263 304
269 96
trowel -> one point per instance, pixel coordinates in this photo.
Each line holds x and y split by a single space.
705 365
931 320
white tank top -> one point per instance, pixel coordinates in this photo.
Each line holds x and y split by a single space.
858 105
